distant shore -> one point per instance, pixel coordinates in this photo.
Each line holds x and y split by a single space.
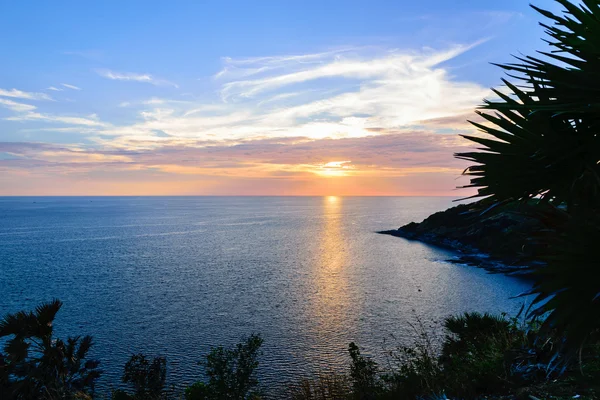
495 239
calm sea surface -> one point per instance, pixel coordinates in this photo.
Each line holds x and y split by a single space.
176 275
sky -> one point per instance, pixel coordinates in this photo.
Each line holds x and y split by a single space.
248 97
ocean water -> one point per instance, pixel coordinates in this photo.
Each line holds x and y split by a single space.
173 276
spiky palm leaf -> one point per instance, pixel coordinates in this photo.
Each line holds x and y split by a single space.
544 138
38 366
567 292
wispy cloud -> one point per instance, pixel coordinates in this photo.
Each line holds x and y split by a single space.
15 106
359 113
55 89
134 77
392 154
392 66
91 120
27 112
19 94
73 87
316 96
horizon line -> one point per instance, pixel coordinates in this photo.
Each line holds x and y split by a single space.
224 195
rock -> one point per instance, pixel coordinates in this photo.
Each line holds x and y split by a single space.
501 232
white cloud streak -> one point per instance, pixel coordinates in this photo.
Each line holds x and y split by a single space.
26 112
73 87
35 116
19 94
15 106
316 96
134 77
338 94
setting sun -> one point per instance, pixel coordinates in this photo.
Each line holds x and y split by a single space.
335 168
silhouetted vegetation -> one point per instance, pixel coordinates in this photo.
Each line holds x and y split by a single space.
146 377
325 386
542 142
231 372
36 365
481 356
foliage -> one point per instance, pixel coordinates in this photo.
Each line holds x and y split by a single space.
330 386
417 368
479 352
121 395
35 365
363 375
146 377
481 356
542 141
566 288
231 372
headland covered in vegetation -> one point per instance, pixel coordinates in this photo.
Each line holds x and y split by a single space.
537 171
496 238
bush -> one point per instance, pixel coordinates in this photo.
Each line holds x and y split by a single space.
329 386
146 377
478 354
363 375
477 357
231 372
121 395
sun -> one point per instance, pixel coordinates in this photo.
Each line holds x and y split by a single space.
335 168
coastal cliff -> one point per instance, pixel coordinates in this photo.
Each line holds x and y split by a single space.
494 238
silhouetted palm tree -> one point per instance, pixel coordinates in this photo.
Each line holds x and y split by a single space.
37 366
544 138
543 141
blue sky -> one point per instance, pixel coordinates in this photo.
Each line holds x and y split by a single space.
238 97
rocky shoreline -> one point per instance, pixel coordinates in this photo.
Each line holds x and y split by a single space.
494 238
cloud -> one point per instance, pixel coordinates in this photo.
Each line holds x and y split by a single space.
35 116
323 95
135 77
19 94
54 89
391 66
73 87
14 106
353 114
412 162
26 112
393 154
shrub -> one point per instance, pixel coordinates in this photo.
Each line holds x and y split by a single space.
146 377
478 353
363 375
417 371
230 372
329 386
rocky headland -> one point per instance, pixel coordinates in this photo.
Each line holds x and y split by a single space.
495 238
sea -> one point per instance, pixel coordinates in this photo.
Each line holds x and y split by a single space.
175 276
